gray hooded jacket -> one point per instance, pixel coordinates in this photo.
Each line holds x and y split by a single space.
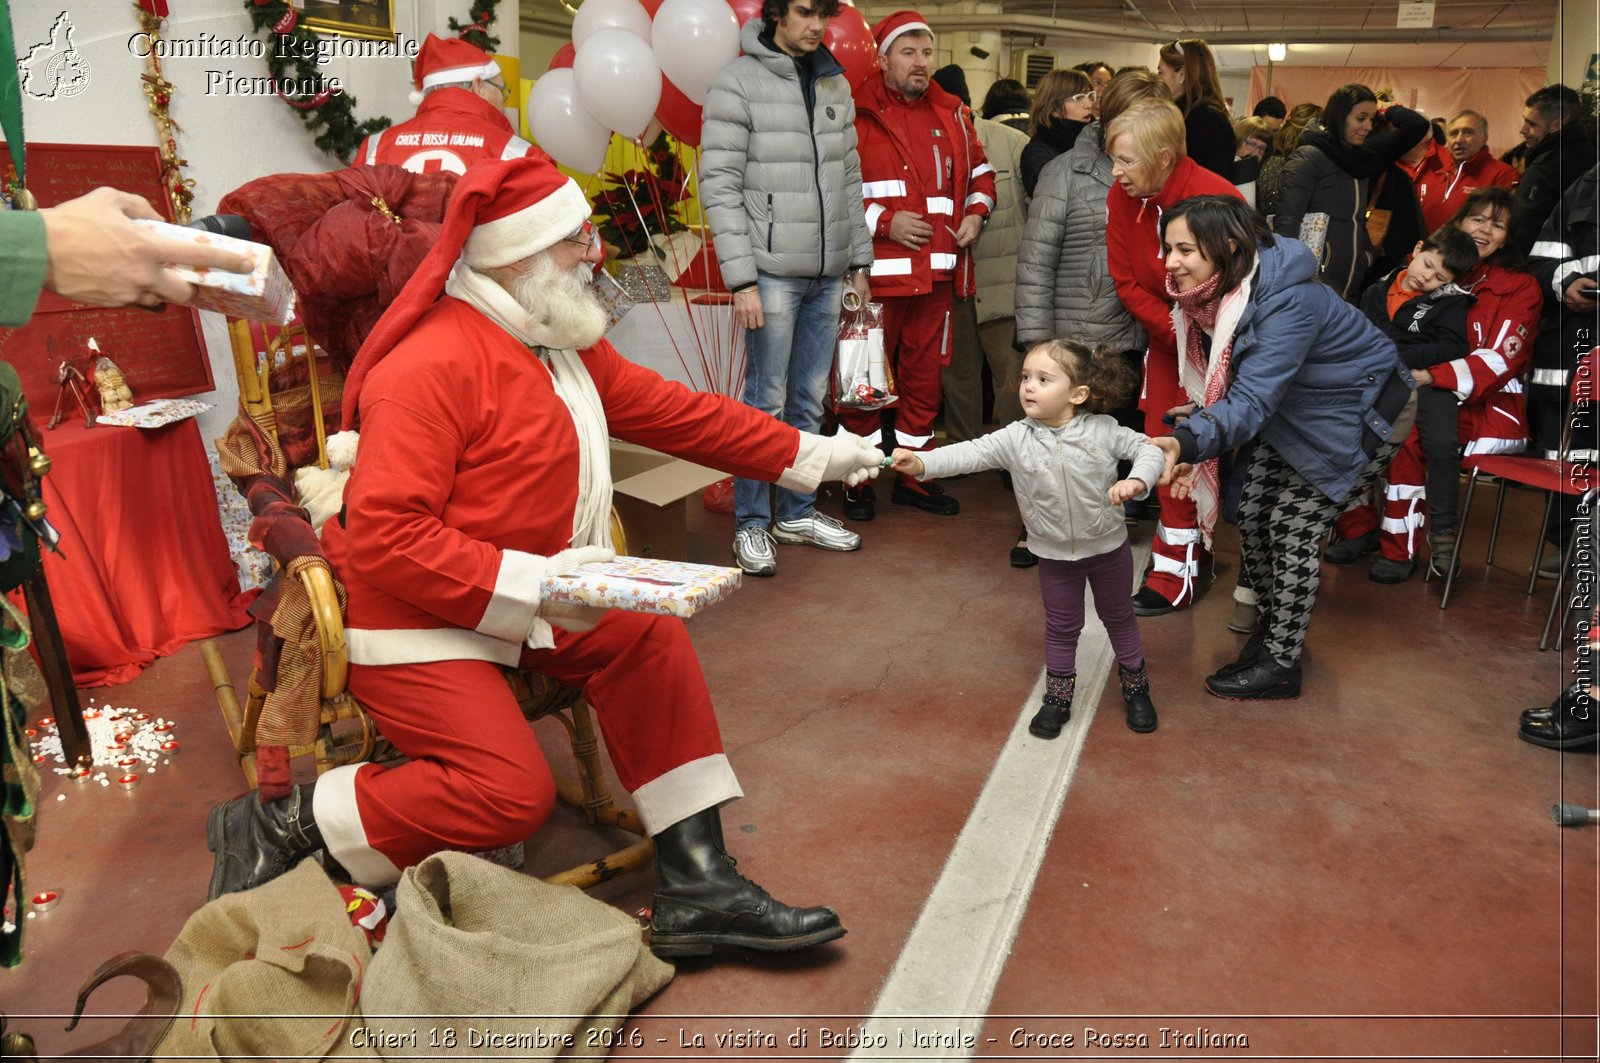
779 176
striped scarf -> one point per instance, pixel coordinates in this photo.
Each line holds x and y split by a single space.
1199 306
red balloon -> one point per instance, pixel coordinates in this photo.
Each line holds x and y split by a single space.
678 114
563 57
849 38
745 10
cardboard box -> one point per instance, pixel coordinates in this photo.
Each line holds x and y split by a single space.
651 492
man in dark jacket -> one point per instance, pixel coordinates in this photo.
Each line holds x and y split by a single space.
1558 153
781 183
1566 262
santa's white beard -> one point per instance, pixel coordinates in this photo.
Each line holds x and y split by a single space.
561 303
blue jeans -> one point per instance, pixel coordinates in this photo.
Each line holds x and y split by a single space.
787 362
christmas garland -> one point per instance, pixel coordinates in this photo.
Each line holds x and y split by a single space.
476 32
328 114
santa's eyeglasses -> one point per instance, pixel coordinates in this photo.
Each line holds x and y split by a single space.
585 236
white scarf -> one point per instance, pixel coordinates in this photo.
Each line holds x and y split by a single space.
591 519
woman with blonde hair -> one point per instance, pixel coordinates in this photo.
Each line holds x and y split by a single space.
1063 107
1153 171
1190 72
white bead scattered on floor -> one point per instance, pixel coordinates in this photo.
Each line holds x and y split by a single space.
125 738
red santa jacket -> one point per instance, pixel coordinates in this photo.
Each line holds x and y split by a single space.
1133 246
469 465
891 181
453 129
1501 326
1443 186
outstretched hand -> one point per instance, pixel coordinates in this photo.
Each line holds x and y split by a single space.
906 461
1182 484
1169 448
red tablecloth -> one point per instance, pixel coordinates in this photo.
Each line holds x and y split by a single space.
147 566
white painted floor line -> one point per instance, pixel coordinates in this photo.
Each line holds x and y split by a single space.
936 996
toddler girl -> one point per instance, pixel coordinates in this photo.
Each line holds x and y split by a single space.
1063 464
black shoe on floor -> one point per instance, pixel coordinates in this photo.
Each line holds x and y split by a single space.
254 843
1571 723
1148 602
1566 701
1050 719
1266 680
1248 656
1388 570
860 503
928 497
1349 551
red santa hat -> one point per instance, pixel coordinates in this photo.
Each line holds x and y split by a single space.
448 61
500 212
900 22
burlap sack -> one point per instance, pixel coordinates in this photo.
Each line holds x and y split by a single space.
473 946
271 973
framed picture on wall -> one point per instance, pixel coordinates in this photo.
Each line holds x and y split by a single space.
368 19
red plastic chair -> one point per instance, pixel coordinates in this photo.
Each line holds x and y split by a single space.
1552 476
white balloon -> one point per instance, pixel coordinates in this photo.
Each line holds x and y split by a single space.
619 81
596 15
560 124
693 39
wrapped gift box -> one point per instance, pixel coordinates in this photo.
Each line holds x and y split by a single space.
263 294
643 585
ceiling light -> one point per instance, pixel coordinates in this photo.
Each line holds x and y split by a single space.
1277 52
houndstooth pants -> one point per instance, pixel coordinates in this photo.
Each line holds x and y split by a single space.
1283 519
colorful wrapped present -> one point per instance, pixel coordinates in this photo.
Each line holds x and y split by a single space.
263 294
643 585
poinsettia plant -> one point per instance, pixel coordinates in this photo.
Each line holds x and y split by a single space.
636 205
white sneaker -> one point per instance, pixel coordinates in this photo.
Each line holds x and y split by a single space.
817 530
752 549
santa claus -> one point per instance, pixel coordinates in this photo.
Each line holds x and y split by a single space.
485 397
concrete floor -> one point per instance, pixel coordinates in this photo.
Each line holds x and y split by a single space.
1367 872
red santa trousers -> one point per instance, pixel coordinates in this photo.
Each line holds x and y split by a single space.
477 778
917 337
1178 553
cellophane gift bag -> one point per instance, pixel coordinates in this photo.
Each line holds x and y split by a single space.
862 379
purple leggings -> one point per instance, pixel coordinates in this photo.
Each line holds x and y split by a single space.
1061 583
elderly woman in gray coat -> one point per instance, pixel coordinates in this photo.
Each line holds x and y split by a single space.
1063 286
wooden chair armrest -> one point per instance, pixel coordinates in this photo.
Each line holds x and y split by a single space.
318 580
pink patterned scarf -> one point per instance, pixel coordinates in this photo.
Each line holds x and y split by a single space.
1199 306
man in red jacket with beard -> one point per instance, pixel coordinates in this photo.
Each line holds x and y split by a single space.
460 119
927 189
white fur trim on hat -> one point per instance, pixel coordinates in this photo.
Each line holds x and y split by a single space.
457 75
905 27
527 231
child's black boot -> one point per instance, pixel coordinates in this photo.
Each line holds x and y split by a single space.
1136 695
1056 710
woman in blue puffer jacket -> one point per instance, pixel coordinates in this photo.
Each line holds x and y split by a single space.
1267 353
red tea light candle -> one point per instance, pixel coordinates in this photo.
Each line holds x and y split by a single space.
123 736
128 762
128 782
50 722
40 758
81 773
141 717
116 747
170 746
162 728
30 732
45 900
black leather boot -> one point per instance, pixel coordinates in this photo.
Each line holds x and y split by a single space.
704 901
1570 723
255 843
1136 698
1056 708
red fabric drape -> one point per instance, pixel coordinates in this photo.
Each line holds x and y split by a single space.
1494 92
146 566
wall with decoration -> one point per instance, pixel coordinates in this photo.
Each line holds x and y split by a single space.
226 131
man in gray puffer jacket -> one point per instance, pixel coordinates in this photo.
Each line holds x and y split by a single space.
781 185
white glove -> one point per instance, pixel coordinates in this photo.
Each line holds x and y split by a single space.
851 459
568 561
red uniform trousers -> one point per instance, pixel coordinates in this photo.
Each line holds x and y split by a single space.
1178 553
1403 497
916 344
477 778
